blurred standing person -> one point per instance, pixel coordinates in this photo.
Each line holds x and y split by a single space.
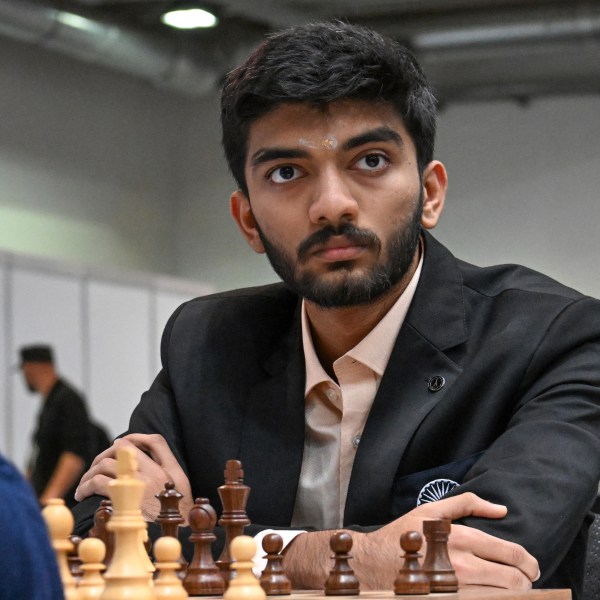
62 440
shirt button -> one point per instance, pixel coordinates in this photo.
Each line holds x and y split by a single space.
331 394
356 441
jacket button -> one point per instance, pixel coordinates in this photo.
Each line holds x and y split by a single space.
436 383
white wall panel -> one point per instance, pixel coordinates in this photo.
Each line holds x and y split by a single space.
5 369
120 350
45 308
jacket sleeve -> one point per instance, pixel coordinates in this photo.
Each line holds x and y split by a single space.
545 467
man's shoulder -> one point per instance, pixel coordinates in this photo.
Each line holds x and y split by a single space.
516 280
242 301
248 311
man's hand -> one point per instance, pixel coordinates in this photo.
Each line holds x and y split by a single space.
67 471
477 557
156 466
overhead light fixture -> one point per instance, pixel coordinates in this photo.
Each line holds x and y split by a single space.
189 18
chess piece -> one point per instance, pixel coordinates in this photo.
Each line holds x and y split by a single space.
437 564
273 579
127 575
203 577
167 584
234 497
73 558
411 578
91 555
170 518
59 521
100 531
244 585
341 581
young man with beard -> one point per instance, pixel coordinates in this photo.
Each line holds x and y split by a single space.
383 373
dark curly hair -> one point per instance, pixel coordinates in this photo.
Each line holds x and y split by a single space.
320 63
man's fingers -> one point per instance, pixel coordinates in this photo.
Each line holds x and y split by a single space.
463 505
492 549
96 485
156 446
472 570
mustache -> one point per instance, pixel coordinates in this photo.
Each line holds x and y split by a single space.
361 237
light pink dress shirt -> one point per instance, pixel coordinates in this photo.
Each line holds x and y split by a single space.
336 415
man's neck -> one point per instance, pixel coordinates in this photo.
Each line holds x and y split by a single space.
46 384
335 331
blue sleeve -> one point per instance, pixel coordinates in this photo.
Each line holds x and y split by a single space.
27 560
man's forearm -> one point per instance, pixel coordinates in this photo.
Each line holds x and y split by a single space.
68 470
308 560
478 558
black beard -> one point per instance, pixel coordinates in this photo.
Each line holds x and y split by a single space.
353 289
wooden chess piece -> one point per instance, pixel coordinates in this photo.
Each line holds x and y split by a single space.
59 521
91 554
73 558
411 578
244 585
100 531
341 581
170 518
167 584
203 577
127 576
273 579
234 497
437 566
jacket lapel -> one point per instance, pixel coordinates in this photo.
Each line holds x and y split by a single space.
434 323
273 433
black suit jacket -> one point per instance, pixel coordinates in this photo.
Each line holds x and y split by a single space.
517 420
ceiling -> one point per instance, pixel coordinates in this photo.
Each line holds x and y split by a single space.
471 49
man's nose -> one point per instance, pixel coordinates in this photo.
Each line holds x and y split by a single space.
333 201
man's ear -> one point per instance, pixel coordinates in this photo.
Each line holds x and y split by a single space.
241 211
435 183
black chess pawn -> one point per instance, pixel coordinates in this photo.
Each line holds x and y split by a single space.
341 581
273 579
73 558
203 577
100 529
411 578
437 565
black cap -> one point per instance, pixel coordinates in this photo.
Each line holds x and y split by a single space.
39 353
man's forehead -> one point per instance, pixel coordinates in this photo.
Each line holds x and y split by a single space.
321 126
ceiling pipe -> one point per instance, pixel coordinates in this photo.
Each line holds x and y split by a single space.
108 45
516 54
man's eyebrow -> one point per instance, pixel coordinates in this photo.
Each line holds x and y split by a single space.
381 134
264 155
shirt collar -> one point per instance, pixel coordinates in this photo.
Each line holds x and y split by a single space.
374 349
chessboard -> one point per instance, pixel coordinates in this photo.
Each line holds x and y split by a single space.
114 562
467 593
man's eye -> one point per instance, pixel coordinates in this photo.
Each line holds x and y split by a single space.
372 162
284 174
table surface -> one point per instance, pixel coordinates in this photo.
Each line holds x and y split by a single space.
466 593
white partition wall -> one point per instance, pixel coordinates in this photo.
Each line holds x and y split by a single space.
105 328
45 307
5 367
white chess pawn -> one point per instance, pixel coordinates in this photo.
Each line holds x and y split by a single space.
91 554
244 585
167 551
59 521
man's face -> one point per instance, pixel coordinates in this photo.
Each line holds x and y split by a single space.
29 371
336 198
